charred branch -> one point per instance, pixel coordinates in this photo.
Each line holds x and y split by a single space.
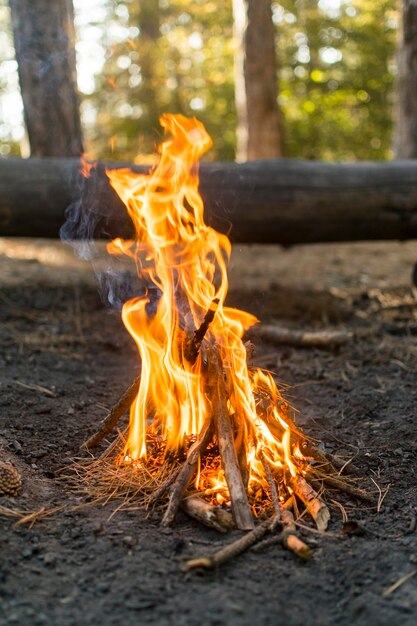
192 347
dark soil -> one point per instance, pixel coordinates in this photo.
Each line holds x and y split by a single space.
64 358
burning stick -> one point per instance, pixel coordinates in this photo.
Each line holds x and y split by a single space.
272 486
238 496
187 471
314 504
289 537
240 447
192 347
325 339
208 514
242 406
113 417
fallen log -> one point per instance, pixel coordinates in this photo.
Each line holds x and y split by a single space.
282 201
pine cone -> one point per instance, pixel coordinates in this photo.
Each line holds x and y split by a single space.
10 480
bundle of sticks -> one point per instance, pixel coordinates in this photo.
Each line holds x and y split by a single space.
223 430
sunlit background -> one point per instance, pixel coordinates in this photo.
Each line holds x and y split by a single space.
336 75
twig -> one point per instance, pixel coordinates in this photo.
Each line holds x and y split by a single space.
346 487
240 446
232 549
325 339
314 504
389 590
289 538
113 417
272 486
381 495
185 474
208 514
192 347
333 462
114 444
238 496
33 387
162 489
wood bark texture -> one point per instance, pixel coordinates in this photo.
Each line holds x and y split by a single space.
44 41
259 133
405 131
282 201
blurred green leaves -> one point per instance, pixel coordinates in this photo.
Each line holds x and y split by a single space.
336 75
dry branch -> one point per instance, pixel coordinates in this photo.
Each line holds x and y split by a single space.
232 549
186 473
289 538
238 496
330 462
314 504
272 487
208 514
116 412
346 487
325 339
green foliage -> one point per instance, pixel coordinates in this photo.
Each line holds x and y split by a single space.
337 75
179 58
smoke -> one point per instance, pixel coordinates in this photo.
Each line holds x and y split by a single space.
89 218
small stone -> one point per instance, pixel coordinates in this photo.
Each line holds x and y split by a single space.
49 558
129 541
27 553
15 446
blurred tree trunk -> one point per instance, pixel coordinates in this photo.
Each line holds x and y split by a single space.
149 24
259 133
405 130
44 41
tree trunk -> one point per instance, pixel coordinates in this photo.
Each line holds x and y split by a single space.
259 133
149 24
44 41
405 132
278 201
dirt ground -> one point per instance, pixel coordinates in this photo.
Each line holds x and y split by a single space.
64 359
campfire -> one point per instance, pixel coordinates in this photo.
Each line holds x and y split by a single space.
208 431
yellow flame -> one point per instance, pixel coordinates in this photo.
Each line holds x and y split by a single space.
186 261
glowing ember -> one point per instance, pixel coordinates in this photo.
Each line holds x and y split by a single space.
196 385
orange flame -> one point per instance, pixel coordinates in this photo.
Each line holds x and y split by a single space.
185 262
87 164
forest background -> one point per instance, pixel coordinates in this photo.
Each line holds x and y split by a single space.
139 58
